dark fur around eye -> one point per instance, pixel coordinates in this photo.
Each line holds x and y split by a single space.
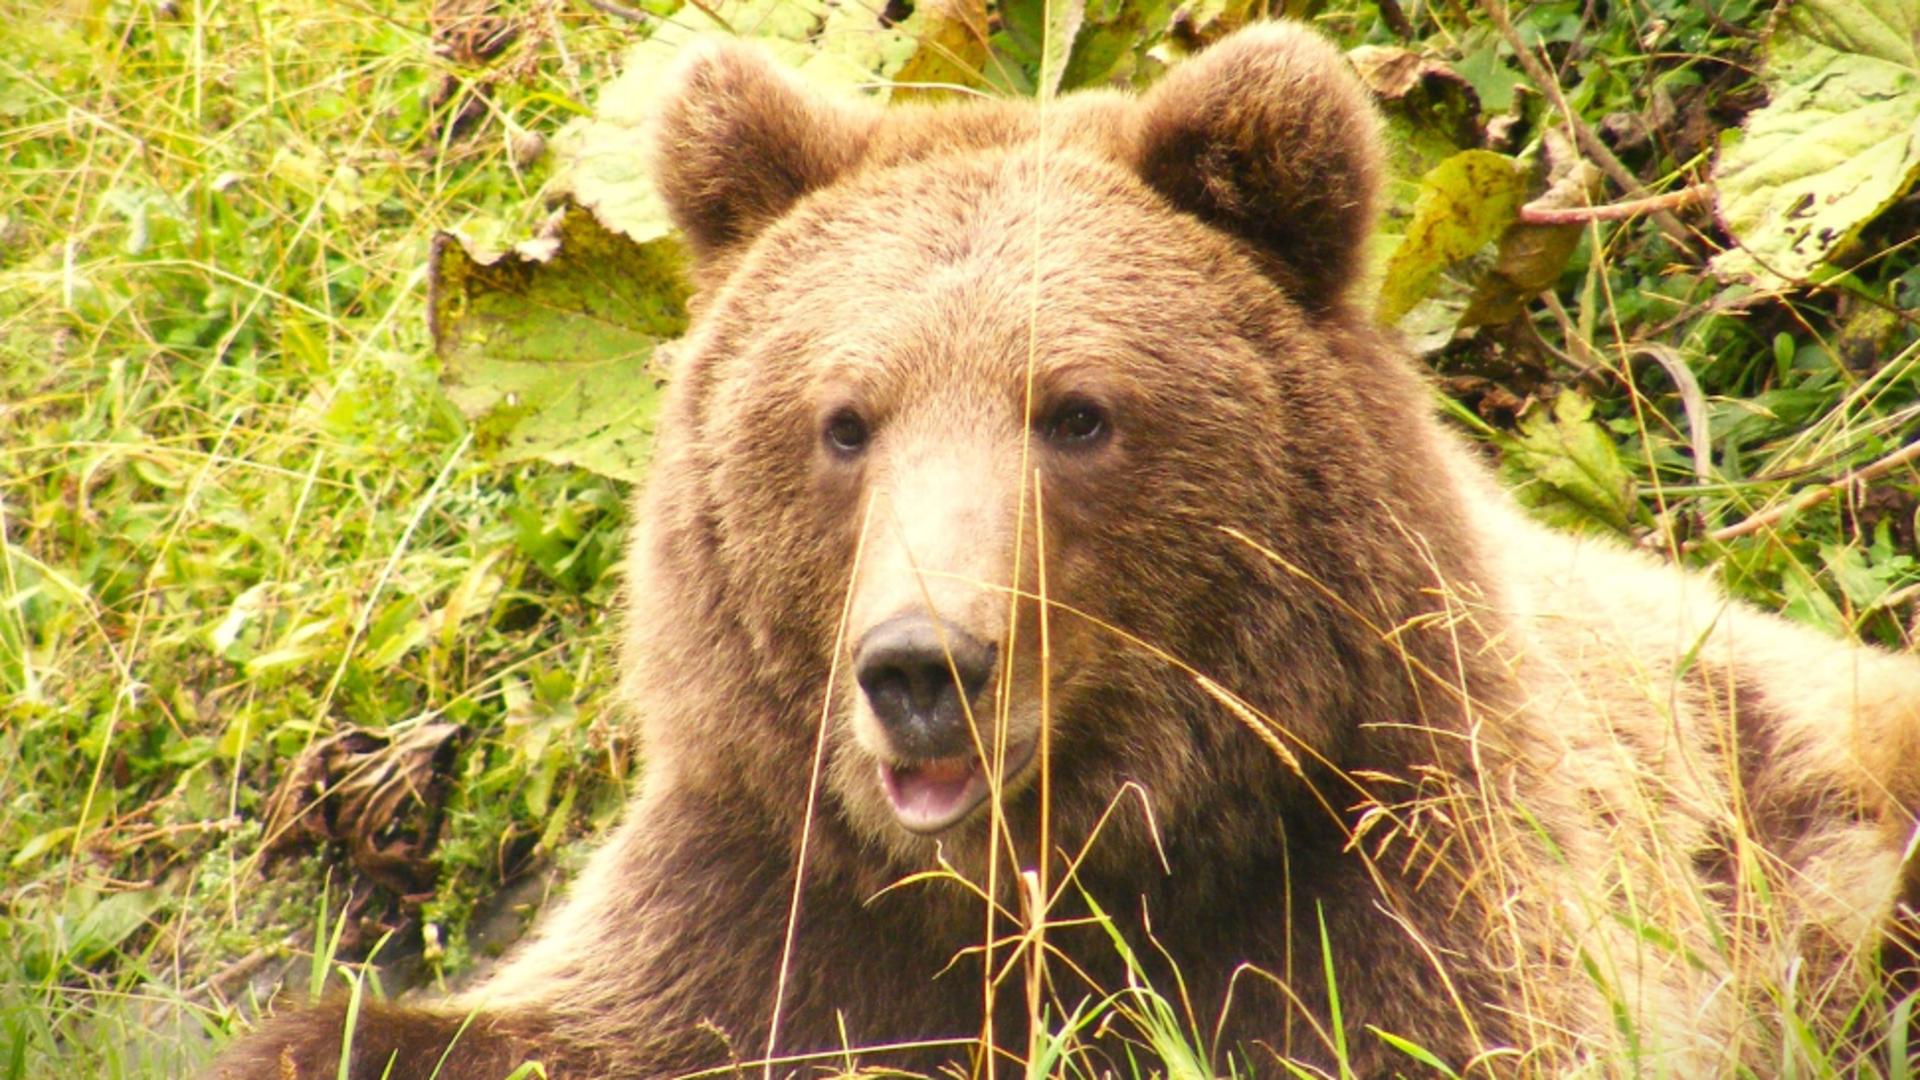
1076 424
846 432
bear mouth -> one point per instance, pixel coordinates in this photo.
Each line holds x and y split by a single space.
932 796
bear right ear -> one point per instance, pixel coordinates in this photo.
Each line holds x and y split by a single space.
1269 136
737 141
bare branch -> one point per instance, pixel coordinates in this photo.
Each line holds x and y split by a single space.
1620 211
618 11
1815 496
1590 143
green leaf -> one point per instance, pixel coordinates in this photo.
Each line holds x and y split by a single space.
1860 583
1464 205
1112 46
106 924
1565 465
1334 1022
1809 604
1531 257
866 50
1414 1050
1063 21
1490 76
1838 142
549 349
1018 43
39 845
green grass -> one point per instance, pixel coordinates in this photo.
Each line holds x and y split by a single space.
239 518
238 514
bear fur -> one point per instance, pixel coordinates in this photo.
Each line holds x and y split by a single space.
1270 674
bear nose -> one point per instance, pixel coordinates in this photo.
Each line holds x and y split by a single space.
906 666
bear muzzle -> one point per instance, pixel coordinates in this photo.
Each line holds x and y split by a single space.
923 679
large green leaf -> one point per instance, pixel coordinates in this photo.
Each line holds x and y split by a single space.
1463 206
1531 257
1031 44
1111 48
1839 141
549 348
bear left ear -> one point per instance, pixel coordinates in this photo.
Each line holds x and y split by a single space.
1269 136
737 141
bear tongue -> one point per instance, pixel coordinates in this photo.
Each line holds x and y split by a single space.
930 795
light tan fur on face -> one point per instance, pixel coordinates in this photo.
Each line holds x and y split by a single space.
1549 805
940 541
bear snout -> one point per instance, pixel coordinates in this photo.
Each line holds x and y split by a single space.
907 667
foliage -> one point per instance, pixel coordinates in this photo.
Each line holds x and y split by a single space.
1461 206
1837 144
248 510
549 350
238 515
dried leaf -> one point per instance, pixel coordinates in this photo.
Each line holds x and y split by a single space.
377 792
1531 256
1432 109
952 50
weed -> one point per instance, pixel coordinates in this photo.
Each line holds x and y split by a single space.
239 517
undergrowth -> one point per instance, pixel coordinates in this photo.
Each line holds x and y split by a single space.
239 519
248 546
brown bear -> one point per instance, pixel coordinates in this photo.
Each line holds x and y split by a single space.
1054 602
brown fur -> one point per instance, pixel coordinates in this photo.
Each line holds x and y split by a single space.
1308 673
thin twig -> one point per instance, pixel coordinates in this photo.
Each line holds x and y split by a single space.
1620 211
1590 143
224 981
618 11
1818 495
1585 360
708 10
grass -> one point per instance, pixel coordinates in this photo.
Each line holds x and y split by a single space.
240 522
240 518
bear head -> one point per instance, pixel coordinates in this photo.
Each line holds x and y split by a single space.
1026 458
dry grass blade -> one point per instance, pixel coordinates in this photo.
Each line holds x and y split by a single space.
1253 721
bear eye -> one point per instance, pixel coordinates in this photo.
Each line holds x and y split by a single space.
846 432
1076 424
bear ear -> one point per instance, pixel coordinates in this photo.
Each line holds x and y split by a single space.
1269 136
736 141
